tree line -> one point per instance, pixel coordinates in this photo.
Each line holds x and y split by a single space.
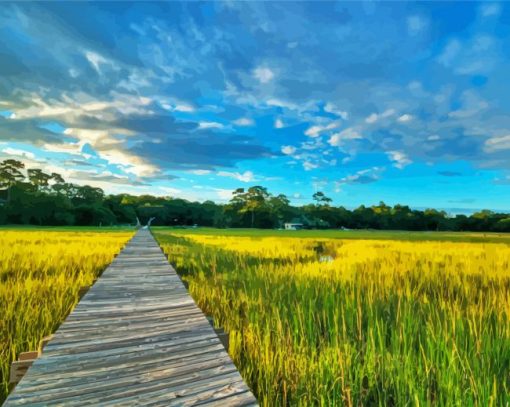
31 196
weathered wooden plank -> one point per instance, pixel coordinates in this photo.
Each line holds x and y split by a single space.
167 375
76 324
120 327
28 355
120 361
128 315
183 395
244 398
125 371
160 392
153 346
136 337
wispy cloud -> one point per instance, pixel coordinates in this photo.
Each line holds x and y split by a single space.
288 150
499 143
490 9
246 176
416 24
350 133
400 159
365 176
263 74
18 152
316 130
210 125
374 117
244 121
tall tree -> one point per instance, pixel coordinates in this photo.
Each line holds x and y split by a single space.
252 200
321 198
280 207
57 178
10 174
38 178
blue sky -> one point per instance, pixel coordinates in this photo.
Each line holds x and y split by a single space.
402 102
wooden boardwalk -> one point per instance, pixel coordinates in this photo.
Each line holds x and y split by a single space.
135 338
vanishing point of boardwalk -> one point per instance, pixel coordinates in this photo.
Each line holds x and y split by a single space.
136 338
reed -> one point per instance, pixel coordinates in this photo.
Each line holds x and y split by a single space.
356 322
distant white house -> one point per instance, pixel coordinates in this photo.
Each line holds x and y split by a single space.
293 226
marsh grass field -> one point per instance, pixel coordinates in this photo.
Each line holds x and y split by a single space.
314 317
356 318
41 273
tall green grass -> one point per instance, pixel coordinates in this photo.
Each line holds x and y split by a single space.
375 323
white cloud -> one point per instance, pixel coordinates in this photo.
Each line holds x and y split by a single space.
108 148
179 107
90 136
489 10
308 166
400 159
433 137
316 130
224 194
405 118
375 117
331 108
200 172
372 118
70 148
184 108
244 121
18 152
95 59
282 103
347 134
71 108
278 124
73 73
497 144
210 125
477 55
416 24
246 176
365 176
450 52
288 150
471 105
263 75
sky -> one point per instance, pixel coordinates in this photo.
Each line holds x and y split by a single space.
396 102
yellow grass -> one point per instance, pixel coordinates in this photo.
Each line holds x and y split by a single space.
357 322
41 273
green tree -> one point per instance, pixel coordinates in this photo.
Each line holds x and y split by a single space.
88 194
280 208
10 174
38 178
251 201
321 198
57 178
